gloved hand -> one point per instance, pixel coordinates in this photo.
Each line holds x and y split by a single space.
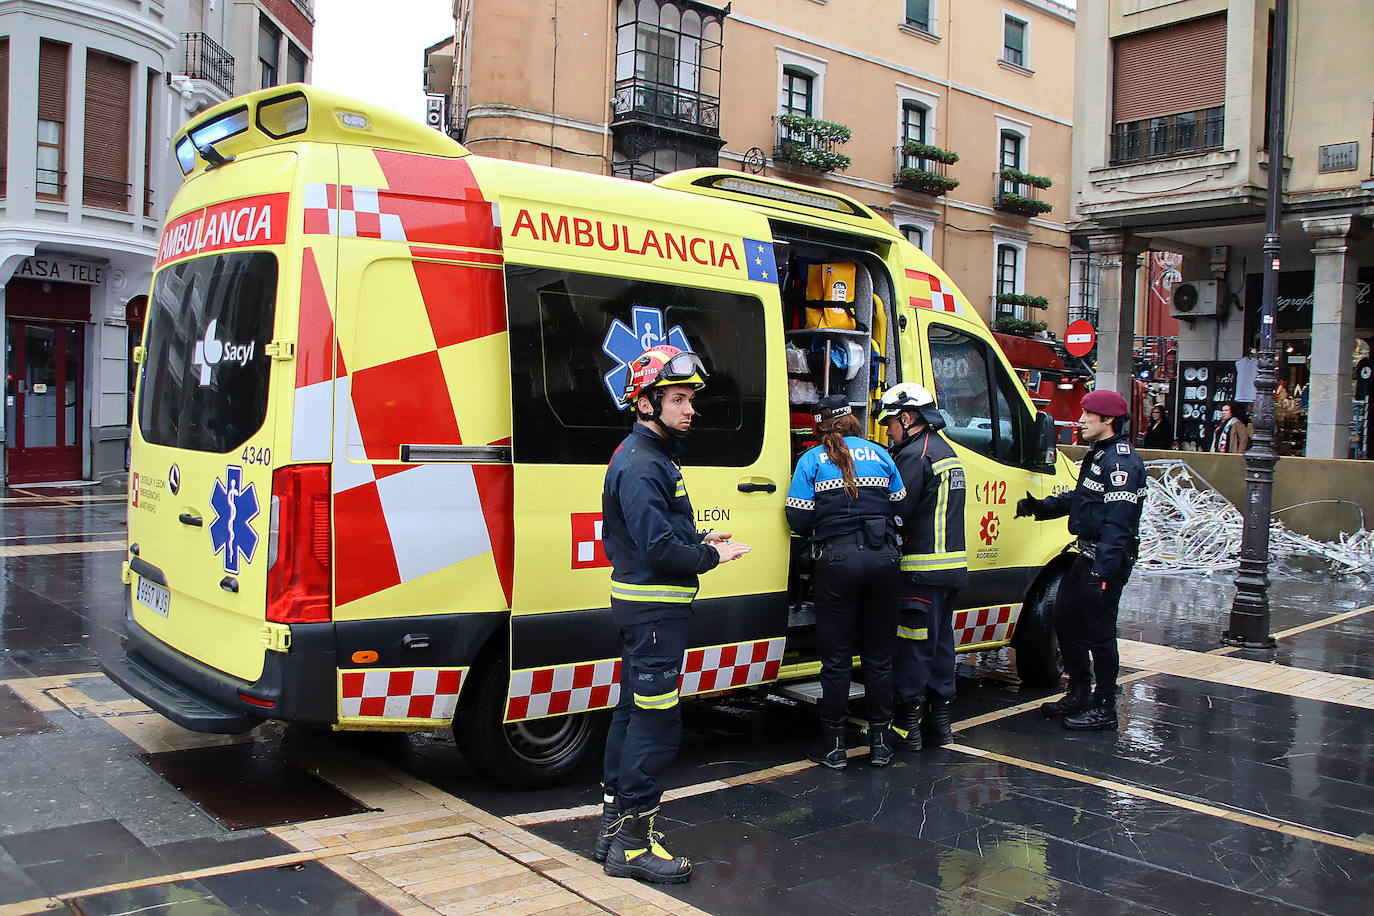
1028 506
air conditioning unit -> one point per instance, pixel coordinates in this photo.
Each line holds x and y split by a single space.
1195 299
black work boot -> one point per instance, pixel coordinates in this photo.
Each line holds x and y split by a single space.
938 725
610 824
879 744
637 852
829 752
906 726
1078 698
1101 714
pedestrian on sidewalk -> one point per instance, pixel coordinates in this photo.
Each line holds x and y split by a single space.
656 555
1104 511
934 566
843 497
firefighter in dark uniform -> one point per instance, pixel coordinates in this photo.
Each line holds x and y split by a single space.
1104 511
656 555
843 496
934 565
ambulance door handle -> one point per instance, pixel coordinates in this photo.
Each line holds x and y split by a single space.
229 584
187 518
758 488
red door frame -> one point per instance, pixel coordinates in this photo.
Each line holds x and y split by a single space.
45 463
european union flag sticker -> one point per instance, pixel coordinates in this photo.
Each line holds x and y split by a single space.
758 258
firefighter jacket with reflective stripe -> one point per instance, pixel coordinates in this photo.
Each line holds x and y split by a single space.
932 515
649 530
1104 509
817 504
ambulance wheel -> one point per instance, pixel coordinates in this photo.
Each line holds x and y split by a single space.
523 755
1038 662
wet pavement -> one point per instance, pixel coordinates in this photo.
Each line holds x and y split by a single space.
1228 786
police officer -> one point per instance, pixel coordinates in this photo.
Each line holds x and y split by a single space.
843 496
1104 511
934 565
656 555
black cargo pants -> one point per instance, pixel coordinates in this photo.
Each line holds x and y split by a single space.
1085 622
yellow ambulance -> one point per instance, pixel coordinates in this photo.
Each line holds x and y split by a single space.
377 396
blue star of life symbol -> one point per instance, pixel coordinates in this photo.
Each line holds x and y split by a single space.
624 344
235 508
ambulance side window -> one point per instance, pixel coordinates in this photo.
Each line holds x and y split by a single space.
571 335
206 375
977 396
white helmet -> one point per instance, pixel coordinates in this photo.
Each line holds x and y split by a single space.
904 396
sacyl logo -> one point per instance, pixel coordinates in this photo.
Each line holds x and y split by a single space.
210 352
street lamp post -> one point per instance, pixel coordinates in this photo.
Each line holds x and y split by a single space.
1249 626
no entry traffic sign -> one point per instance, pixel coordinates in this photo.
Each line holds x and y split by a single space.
1079 338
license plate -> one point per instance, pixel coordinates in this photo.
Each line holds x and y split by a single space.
153 596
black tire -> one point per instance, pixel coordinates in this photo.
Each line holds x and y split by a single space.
1038 662
522 755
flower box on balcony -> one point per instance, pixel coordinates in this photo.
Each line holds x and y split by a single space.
810 143
927 151
1006 324
1023 300
925 182
1018 203
1020 177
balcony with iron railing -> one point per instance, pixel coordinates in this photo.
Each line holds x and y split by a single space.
810 144
206 60
106 193
923 168
666 105
1019 192
1168 136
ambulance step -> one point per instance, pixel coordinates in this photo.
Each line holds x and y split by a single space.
810 691
173 700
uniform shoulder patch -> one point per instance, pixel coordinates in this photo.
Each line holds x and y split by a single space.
1119 478
1122 448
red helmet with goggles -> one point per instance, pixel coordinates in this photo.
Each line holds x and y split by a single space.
661 366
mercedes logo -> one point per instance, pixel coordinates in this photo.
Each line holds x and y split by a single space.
174 479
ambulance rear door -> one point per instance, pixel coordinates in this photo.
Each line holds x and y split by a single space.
587 292
213 400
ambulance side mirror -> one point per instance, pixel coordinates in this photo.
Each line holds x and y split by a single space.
1044 451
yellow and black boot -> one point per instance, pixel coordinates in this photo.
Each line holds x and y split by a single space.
938 723
610 824
637 852
906 726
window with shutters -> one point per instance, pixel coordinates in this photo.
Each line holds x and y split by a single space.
1009 157
913 130
919 15
295 63
4 113
50 179
269 52
109 87
148 100
1014 41
1006 277
796 91
1170 91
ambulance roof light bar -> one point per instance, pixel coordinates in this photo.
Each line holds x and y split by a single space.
780 192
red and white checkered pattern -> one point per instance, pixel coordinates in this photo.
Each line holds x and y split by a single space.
538 692
929 293
349 211
984 624
400 693
735 665
588 549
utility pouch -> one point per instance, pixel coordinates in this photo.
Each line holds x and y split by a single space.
876 533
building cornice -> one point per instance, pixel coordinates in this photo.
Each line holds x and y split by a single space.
107 18
899 68
497 110
79 240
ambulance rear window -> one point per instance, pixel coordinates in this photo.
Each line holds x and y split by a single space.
571 336
205 374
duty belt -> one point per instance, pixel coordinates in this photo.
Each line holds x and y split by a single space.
1086 548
